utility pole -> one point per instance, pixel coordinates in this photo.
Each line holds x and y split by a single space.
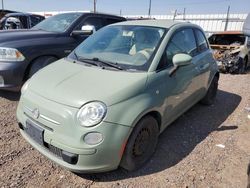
175 14
95 6
2 5
184 14
120 12
227 20
149 10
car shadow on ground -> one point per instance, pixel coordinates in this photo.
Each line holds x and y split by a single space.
180 138
9 95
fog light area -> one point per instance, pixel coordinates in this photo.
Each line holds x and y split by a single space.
93 138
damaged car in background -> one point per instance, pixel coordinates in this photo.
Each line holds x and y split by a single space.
231 50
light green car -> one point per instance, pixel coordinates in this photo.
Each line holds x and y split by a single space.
105 105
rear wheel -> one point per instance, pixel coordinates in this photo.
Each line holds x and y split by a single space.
141 144
211 93
40 63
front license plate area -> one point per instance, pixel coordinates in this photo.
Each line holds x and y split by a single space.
35 132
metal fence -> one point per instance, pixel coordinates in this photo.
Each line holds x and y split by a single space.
209 22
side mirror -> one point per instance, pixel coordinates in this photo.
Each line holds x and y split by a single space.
181 60
178 61
86 30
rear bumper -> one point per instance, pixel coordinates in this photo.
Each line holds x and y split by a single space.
11 75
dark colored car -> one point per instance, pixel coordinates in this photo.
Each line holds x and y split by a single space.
20 21
4 12
24 52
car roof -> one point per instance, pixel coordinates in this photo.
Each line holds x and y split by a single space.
153 23
229 33
21 14
82 13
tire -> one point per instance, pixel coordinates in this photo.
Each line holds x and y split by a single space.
248 174
211 93
243 67
141 144
40 63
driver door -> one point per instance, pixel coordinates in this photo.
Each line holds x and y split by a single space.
181 90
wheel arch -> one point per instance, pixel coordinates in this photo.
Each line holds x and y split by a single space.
154 113
26 73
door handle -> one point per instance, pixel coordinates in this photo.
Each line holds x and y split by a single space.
204 67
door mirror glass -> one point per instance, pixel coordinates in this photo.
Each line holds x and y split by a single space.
181 60
86 30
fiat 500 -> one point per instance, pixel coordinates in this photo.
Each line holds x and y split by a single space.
105 105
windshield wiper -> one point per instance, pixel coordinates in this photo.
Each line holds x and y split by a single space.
85 60
88 61
107 63
94 61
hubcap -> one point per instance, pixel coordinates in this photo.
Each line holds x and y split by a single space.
141 143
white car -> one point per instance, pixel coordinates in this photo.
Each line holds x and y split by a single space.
231 50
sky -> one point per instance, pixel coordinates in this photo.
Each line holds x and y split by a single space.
132 7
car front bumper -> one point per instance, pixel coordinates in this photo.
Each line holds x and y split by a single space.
11 75
67 136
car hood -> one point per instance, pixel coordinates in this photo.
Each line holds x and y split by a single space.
222 51
73 84
22 34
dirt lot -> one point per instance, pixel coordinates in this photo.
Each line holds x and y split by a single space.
187 155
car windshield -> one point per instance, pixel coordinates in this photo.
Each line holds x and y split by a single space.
128 46
227 39
58 23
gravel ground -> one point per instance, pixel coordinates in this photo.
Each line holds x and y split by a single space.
188 154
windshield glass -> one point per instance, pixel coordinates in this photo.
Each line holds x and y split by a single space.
227 39
58 23
129 46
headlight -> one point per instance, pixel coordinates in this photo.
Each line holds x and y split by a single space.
25 87
91 114
10 54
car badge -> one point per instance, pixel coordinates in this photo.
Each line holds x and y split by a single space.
35 113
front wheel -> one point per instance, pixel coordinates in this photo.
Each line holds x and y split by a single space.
243 66
141 144
211 92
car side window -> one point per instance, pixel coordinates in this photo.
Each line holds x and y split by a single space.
111 21
182 42
201 41
34 20
24 21
95 21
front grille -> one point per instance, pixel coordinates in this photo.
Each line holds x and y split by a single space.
56 151
36 134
